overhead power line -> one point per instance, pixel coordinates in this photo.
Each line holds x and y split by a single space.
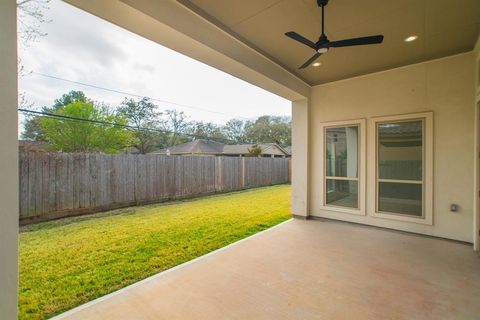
126 126
136 95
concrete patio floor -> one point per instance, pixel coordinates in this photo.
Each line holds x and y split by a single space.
309 270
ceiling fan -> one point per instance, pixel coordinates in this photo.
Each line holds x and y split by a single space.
323 44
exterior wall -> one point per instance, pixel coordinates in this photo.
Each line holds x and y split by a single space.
476 194
300 160
444 86
8 161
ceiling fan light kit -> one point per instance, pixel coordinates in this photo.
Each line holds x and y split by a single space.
411 38
323 44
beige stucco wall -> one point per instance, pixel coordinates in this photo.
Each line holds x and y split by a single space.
300 159
8 161
444 86
476 75
476 53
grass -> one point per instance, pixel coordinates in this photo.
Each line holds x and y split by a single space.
68 262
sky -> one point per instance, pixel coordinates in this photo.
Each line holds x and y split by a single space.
83 48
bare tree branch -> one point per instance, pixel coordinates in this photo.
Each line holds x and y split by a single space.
30 18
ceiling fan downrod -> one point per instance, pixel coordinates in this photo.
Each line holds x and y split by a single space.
322 4
323 44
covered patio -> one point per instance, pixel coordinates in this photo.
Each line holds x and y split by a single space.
309 269
385 138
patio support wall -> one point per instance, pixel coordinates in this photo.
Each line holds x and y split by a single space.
300 155
8 161
476 193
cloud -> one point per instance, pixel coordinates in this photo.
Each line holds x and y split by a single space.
84 48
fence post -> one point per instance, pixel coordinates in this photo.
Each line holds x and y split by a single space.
218 174
242 172
290 170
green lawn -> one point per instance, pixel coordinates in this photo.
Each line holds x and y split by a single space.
68 262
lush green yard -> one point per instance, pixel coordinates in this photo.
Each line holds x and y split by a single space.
71 261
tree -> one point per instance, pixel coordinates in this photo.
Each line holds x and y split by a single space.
66 99
32 129
269 129
254 151
177 123
207 130
234 130
82 136
142 115
30 18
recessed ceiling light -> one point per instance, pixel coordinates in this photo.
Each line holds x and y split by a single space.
316 64
411 38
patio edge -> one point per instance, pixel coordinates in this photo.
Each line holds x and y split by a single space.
162 273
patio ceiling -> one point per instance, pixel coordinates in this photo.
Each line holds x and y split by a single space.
444 27
175 26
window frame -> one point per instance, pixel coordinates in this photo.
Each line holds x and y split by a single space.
361 163
427 169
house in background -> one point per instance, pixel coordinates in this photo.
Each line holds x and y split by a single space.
29 146
214 148
271 150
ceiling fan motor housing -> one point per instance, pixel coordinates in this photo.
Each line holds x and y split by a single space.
322 2
322 44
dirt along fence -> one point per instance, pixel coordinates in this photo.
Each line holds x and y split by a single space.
54 185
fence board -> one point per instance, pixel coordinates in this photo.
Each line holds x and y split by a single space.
23 192
60 184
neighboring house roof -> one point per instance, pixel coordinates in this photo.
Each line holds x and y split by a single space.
403 134
267 149
28 145
288 149
199 146
208 147
410 127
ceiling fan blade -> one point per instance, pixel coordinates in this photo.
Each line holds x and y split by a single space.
301 39
357 41
309 61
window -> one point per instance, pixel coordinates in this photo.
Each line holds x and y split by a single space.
403 167
400 161
342 166
342 172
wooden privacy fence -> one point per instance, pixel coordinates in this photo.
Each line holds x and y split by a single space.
56 185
